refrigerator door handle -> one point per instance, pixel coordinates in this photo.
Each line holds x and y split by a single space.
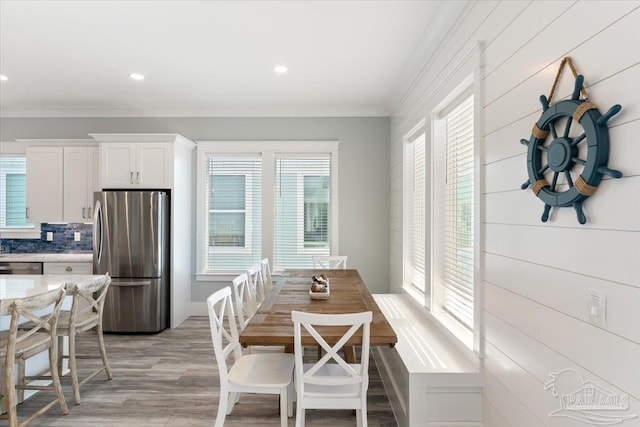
120 282
98 231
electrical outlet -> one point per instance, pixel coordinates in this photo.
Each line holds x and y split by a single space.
49 236
597 313
76 236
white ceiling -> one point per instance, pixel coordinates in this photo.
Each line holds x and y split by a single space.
206 58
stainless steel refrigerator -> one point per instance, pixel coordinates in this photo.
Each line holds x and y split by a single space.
131 243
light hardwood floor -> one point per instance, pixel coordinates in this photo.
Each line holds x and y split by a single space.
170 379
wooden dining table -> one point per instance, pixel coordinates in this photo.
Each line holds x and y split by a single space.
272 324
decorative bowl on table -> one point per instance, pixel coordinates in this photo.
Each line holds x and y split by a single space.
319 287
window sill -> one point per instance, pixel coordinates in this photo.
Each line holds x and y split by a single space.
457 334
217 277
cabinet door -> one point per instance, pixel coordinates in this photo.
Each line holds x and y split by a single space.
118 165
154 165
76 184
44 184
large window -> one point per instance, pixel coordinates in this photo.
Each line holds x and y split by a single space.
265 199
454 212
13 194
303 210
415 189
233 203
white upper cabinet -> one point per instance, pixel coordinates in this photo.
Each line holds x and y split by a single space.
45 184
81 179
61 181
137 165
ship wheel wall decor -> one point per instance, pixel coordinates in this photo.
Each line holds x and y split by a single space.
561 155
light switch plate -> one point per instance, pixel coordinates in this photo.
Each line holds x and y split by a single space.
597 308
49 236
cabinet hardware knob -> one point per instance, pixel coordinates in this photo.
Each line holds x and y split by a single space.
132 177
26 213
138 177
68 268
83 212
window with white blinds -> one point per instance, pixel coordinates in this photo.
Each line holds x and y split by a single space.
265 199
302 210
13 197
454 248
233 201
415 197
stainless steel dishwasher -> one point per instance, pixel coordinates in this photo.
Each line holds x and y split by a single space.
20 267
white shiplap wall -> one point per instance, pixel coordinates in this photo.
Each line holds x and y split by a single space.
537 277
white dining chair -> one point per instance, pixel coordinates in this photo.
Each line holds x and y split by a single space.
332 262
256 282
268 373
325 385
256 285
267 279
245 299
17 345
86 311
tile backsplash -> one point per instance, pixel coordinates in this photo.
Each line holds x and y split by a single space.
63 240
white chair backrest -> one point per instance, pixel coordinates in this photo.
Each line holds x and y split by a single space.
93 293
245 299
330 262
28 308
353 374
255 281
224 331
267 280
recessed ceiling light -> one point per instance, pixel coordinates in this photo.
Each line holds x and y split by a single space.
136 76
280 69
3 78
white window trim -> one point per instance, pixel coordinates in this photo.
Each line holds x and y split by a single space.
268 150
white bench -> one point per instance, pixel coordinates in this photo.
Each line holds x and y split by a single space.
429 381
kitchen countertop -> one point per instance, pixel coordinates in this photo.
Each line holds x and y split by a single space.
21 286
82 257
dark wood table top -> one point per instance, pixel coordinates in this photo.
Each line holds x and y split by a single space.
272 324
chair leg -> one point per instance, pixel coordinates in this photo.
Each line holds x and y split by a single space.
362 412
290 395
55 378
8 390
103 352
21 375
222 408
284 407
234 397
73 367
60 349
299 415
